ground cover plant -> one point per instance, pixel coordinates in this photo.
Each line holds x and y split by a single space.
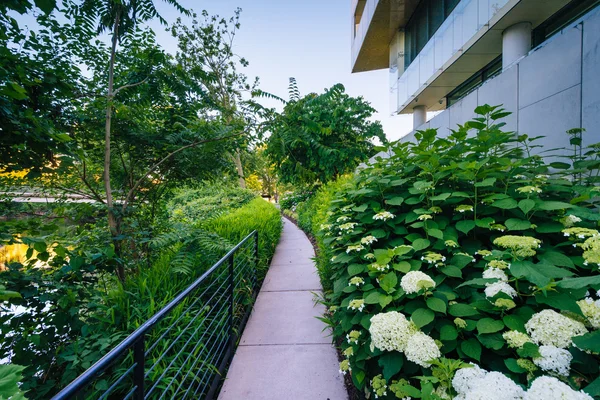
466 267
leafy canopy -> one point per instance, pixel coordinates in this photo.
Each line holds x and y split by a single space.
318 137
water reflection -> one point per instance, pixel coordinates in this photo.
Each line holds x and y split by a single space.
12 253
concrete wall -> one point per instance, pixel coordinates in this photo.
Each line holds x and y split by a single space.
554 88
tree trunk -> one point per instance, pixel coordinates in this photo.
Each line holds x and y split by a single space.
114 220
237 159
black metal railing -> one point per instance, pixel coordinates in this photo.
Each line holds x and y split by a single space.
182 351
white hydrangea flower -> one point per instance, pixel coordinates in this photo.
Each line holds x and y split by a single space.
496 273
591 310
390 331
483 385
414 281
345 367
354 247
548 388
515 339
357 305
550 328
343 218
379 267
465 378
554 360
367 240
369 256
383 216
422 349
356 281
493 289
348 226
424 217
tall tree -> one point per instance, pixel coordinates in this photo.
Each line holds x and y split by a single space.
119 17
205 50
321 136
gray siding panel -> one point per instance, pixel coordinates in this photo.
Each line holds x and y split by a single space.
551 118
502 90
591 79
463 110
554 67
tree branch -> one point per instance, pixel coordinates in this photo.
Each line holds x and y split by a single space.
164 159
129 85
95 194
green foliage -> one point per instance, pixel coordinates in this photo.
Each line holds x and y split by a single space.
321 136
190 205
10 376
257 215
291 200
454 208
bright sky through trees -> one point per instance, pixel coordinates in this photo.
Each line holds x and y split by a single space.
309 40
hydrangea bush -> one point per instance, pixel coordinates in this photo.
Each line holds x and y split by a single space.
465 267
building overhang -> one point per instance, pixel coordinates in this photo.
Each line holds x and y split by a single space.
371 37
478 52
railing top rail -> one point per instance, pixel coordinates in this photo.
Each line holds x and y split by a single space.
102 364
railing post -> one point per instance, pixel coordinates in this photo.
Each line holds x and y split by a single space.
231 293
254 278
139 350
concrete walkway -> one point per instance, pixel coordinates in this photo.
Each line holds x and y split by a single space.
284 353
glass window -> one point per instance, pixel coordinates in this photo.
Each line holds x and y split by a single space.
449 6
436 15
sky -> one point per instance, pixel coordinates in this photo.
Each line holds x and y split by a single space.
308 40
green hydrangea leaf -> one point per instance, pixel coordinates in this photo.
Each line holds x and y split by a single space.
436 304
361 208
421 244
514 322
452 271
471 348
579 283
402 266
526 205
465 226
489 325
373 297
589 341
388 282
355 269
553 205
505 204
391 363
529 271
529 350
515 224
396 201
448 332
486 182
512 366
422 317
462 310
492 341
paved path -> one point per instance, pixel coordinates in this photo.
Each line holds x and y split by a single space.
283 353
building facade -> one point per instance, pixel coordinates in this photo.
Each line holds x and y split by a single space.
540 59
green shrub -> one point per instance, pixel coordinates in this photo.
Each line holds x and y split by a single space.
190 205
289 201
257 215
468 249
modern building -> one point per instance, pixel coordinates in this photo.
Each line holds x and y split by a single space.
540 59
